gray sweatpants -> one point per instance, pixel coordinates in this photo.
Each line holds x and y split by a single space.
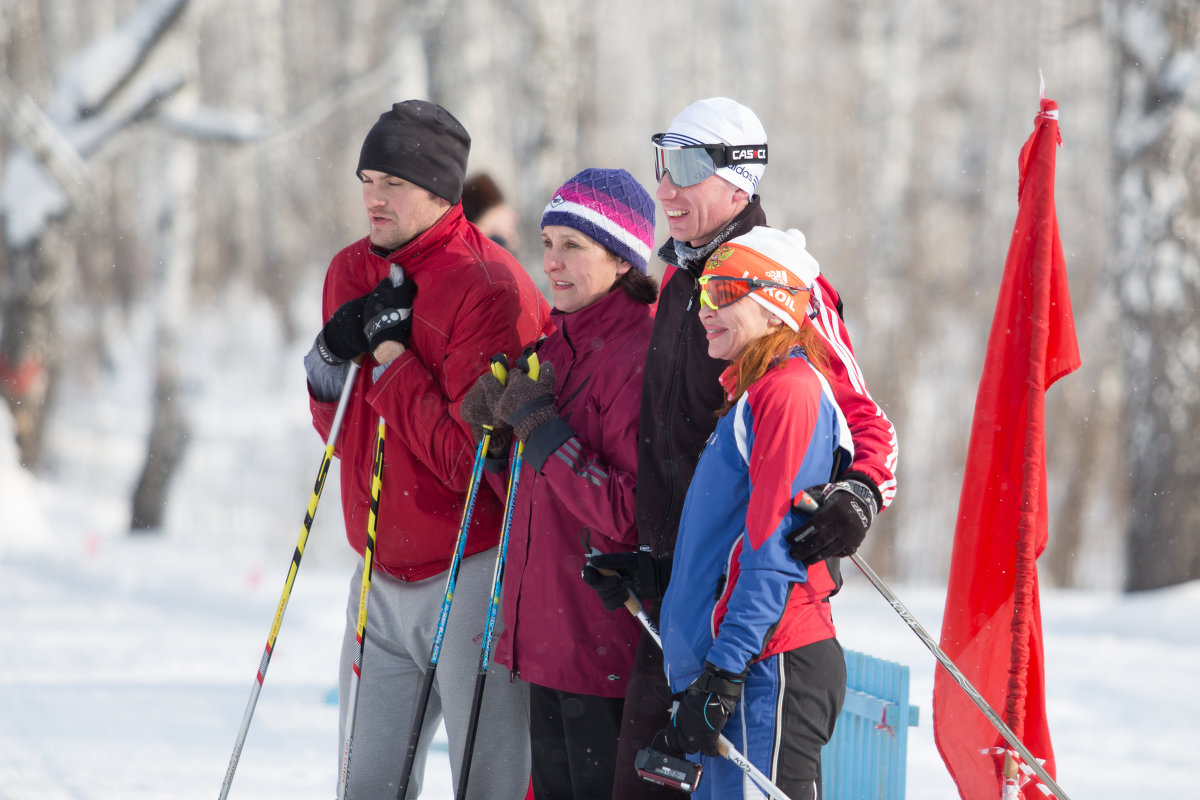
401 622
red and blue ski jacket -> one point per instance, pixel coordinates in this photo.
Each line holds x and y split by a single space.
736 595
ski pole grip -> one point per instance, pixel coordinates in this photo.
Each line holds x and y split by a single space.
500 368
632 603
803 502
528 362
388 351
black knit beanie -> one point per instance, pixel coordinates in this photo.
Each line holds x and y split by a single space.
422 143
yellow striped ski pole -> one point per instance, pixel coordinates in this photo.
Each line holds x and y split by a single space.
309 514
363 595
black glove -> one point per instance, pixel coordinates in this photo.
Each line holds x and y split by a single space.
703 710
611 588
528 406
844 512
638 571
478 409
387 313
342 339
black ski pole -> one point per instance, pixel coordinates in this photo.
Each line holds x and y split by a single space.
666 769
460 544
529 360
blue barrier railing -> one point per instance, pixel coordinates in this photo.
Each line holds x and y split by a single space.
865 760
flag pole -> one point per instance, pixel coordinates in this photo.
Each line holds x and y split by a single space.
1032 461
958 677
1025 576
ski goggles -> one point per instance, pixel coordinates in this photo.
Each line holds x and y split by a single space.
689 164
719 291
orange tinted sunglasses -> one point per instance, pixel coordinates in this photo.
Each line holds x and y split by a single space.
718 291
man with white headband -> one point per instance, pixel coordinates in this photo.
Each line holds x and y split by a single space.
708 165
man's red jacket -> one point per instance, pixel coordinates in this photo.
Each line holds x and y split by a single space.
473 301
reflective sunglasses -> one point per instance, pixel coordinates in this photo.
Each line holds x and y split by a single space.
692 163
718 291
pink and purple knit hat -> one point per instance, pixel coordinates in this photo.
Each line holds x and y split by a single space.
610 207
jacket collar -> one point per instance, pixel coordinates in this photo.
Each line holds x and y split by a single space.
611 315
434 237
751 216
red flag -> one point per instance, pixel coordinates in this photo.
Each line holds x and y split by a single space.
992 623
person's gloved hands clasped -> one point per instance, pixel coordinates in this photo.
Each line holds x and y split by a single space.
387 312
342 339
638 571
845 510
703 710
528 405
478 410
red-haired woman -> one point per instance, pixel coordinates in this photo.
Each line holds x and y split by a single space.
748 639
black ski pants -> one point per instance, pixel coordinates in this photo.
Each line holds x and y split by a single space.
573 740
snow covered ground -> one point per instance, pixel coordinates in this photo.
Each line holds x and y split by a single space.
126 661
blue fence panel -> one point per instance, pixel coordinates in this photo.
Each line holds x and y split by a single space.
865 760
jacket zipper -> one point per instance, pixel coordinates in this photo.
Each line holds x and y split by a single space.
661 535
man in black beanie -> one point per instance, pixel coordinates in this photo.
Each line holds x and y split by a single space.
423 302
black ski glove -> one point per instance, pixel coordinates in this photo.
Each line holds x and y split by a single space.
638 571
387 313
342 339
528 406
612 590
703 710
844 512
478 409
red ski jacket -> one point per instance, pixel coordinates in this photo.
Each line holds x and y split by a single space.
557 632
682 391
473 301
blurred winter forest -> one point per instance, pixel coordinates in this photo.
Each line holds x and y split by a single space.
158 156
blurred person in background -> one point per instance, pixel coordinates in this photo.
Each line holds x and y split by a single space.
578 422
708 165
484 204
461 299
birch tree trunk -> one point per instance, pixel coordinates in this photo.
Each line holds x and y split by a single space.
1158 270
176 260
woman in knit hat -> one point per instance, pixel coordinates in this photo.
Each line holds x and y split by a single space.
748 640
578 421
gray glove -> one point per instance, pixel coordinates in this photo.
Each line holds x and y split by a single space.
528 406
478 410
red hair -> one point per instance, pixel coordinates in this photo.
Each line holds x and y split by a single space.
771 352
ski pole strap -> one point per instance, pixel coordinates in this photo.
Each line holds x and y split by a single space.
522 413
715 679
